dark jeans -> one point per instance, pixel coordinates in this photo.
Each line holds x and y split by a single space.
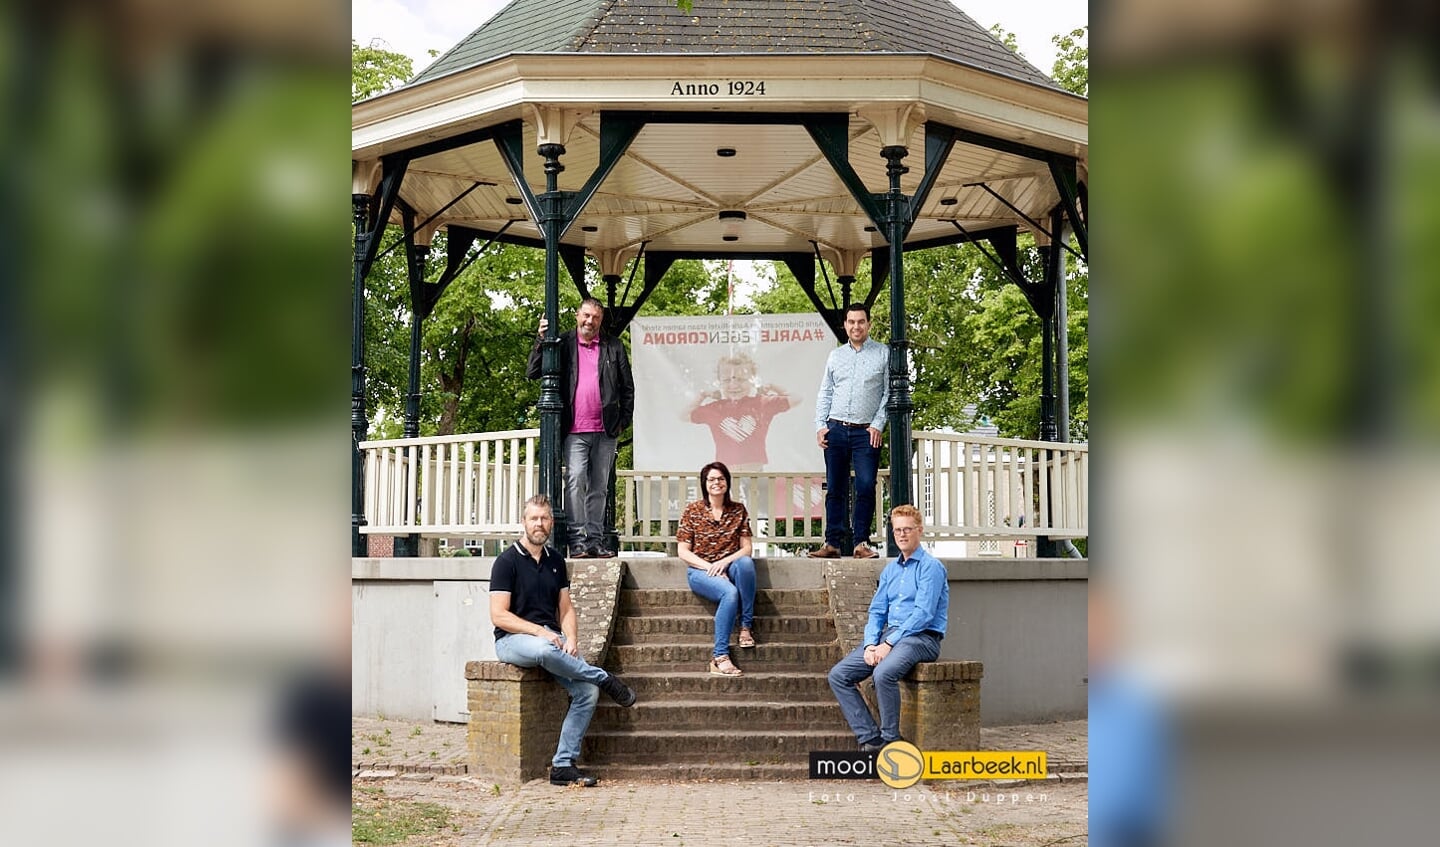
849 446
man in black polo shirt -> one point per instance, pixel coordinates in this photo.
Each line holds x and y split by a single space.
535 626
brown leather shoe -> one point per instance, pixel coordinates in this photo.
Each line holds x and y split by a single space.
863 551
826 551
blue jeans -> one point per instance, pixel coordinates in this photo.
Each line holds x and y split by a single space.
588 457
735 589
578 677
849 445
852 670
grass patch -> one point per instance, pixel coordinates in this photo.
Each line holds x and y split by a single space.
378 820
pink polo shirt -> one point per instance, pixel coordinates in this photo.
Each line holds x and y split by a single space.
587 388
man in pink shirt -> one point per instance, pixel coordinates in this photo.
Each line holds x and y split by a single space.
599 393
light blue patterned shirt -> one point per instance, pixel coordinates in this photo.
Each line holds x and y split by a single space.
855 386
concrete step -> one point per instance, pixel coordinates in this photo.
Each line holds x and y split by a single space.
769 602
708 771
792 656
754 685
669 714
700 629
736 746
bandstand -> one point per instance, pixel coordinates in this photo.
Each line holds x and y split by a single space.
810 133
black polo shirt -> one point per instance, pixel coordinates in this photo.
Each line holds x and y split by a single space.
534 586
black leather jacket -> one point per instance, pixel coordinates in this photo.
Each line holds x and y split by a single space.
617 384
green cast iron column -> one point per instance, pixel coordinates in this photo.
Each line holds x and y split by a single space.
900 405
552 215
612 535
415 258
360 208
1062 332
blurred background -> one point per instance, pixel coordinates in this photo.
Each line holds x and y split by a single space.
174 320
1265 388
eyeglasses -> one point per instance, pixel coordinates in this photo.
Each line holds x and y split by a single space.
714 479
899 529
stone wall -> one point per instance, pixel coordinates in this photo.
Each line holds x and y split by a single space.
515 716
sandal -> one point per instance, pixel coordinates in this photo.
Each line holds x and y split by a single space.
726 669
746 639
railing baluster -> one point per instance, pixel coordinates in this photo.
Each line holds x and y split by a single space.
395 499
482 483
514 483
987 488
469 516
531 472
1044 472
412 482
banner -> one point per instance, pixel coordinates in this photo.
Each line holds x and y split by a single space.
738 389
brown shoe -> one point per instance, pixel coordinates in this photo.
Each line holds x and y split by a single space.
863 551
826 551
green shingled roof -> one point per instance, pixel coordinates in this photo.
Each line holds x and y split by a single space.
735 26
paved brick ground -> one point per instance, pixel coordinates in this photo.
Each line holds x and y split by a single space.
425 761
401 746
787 813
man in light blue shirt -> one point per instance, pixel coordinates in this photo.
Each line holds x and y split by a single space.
906 624
849 417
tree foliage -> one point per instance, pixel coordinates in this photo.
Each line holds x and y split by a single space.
374 69
1072 65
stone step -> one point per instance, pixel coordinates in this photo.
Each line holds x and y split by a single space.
779 602
754 685
782 656
700 629
707 771
670 714
735 746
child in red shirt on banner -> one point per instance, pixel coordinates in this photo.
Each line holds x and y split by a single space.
739 413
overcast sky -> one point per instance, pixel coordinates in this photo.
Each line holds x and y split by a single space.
414 27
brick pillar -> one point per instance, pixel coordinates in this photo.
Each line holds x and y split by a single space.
515 716
940 705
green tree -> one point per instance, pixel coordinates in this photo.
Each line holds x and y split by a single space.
1006 38
374 69
1072 66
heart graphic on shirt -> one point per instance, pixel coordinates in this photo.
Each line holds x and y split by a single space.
738 429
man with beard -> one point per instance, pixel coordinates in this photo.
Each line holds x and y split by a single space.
598 390
536 626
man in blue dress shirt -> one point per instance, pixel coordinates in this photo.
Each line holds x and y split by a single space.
906 625
849 417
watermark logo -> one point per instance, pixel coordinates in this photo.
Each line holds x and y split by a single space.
899 764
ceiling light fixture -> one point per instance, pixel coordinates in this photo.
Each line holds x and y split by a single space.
730 224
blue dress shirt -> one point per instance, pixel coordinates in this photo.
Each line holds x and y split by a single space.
914 595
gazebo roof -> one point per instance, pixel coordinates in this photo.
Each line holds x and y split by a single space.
748 76
735 26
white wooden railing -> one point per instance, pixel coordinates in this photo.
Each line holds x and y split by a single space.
786 507
974 486
450 484
967 486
